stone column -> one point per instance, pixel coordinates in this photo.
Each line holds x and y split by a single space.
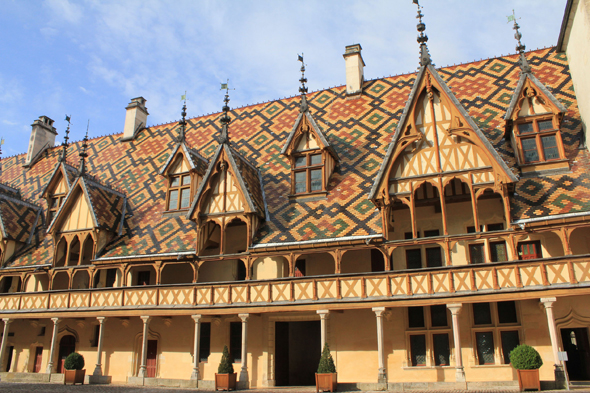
548 303
143 367
7 322
50 367
244 371
195 373
324 323
98 369
382 375
455 309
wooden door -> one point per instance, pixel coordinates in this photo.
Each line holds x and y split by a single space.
530 250
575 343
67 345
38 359
152 358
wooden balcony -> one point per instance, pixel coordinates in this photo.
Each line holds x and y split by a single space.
489 278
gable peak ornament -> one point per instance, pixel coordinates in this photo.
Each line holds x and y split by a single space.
303 89
520 47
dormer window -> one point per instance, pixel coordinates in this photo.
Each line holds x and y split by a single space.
308 172
179 188
539 140
55 202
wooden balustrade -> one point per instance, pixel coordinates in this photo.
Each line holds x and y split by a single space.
488 277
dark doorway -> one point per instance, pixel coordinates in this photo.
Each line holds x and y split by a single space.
9 360
38 359
575 343
297 352
67 345
152 356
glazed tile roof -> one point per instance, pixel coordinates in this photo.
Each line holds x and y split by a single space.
18 218
358 129
195 160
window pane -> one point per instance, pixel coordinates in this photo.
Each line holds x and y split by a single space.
550 147
316 159
418 350
409 235
496 227
498 252
438 316
413 259
416 317
205 341
173 202
432 232
54 203
434 257
186 180
476 254
529 147
510 341
441 349
300 181
507 312
235 341
545 125
485 347
175 182
185 198
299 161
316 180
525 128
482 314
471 229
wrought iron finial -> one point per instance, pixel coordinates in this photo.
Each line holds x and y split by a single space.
422 38
83 154
520 47
303 88
1 143
182 123
225 120
65 143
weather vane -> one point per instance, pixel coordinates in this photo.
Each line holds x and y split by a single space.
65 142
524 65
183 121
422 38
303 80
225 120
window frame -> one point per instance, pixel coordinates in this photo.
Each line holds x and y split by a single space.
179 188
537 134
308 168
52 211
428 331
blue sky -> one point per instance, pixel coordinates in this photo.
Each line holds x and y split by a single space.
89 58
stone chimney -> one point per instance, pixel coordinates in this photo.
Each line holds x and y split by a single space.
354 69
136 118
42 135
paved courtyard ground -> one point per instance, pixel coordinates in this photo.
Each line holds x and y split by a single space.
6 387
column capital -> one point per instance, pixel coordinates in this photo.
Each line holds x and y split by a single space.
196 318
548 301
323 313
55 320
6 320
145 318
455 308
244 317
101 319
378 311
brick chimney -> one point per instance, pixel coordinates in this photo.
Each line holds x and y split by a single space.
354 69
136 118
42 135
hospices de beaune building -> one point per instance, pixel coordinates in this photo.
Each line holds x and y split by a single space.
422 225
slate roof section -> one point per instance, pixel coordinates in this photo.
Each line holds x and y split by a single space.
195 160
18 218
359 129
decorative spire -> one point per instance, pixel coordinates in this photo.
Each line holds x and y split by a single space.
225 120
422 38
1 143
65 143
83 154
303 88
182 123
524 65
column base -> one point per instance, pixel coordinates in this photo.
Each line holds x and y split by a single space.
560 382
382 376
243 376
97 371
195 375
142 372
460 374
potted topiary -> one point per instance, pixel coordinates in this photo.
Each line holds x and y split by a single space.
326 379
225 379
74 372
527 361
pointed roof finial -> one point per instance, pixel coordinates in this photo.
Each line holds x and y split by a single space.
83 154
303 88
422 38
1 143
524 65
225 120
65 143
182 123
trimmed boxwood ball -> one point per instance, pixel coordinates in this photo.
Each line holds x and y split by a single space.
74 361
525 357
326 365
225 366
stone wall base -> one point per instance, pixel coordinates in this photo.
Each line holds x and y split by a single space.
165 382
97 379
25 377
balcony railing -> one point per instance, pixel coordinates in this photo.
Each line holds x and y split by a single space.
406 284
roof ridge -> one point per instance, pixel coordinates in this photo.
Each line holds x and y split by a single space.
109 187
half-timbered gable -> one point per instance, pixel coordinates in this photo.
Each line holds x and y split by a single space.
58 186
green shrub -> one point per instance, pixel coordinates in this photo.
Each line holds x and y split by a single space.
326 365
225 366
74 361
525 357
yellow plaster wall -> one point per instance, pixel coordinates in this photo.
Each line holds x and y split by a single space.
213 271
356 261
80 215
319 264
269 267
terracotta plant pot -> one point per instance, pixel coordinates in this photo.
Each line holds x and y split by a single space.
225 381
74 376
326 382
528 379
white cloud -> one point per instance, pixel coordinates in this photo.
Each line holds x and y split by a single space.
65 10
